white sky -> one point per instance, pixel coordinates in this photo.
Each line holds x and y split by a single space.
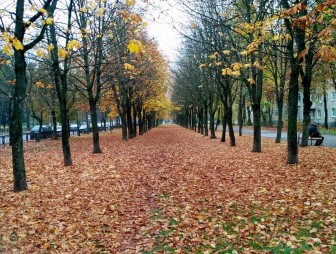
161 21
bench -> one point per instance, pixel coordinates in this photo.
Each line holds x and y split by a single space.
310 139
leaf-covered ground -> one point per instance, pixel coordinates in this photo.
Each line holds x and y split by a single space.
169 191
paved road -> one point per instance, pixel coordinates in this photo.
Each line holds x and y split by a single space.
329 140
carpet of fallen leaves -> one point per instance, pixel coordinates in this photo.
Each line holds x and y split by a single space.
169 191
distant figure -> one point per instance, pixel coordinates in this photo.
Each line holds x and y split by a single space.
313 132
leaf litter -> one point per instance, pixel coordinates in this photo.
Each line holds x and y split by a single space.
169 191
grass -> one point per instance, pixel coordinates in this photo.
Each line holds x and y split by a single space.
330 131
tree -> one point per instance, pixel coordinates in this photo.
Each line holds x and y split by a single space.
15 39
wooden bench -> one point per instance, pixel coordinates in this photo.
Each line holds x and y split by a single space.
310 139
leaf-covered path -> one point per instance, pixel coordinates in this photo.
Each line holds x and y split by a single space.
169 191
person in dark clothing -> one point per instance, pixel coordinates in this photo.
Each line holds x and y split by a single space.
313 132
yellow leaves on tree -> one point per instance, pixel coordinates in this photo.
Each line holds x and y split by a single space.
40 53
62 53
100 12
11 42
48 21
73 45
50 47
83 9
327 54
226 71
251 81
130 2
135 46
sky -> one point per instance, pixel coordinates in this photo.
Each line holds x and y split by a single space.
162 22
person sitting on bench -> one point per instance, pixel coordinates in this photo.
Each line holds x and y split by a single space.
314 133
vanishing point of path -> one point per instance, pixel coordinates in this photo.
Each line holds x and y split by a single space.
169 191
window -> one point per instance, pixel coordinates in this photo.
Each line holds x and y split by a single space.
333 96
318 113
333 113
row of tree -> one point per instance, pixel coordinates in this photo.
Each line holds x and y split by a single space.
242 49
66 54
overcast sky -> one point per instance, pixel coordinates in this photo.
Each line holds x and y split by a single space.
162 18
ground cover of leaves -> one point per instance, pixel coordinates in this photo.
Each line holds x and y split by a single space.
169 191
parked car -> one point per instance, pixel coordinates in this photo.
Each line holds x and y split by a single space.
46 132
83 128
73 127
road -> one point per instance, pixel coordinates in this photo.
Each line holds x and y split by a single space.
329 140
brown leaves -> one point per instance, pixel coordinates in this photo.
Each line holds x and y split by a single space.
171 190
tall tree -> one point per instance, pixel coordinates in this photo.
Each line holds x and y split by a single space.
15 39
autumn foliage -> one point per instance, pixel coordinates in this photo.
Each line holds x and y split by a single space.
169 191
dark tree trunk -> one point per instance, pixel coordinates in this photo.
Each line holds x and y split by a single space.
135 120
306 115
123 126
230 126
19 172
54 121
62 91
205 121
212 123
325 110
240 110
256 128
95 129
224 123
280 121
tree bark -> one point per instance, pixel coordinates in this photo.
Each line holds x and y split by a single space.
95 129
19 172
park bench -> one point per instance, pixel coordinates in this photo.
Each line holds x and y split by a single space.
310 139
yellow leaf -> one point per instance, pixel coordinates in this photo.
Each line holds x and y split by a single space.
258 65
135 46
226 71
213 56
73 45
40 84
129 67
44 11
40 53
50 47
6 36
100 12
236 66
17 44
251 81
226 52
244 53
7 50
83 9
62 53
48 21
201 66
236 73
130 2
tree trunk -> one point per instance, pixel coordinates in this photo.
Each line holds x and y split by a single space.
306 115
95 130
325 110
54 121
280 121
19 172
256 128
292 148
240 110
224 122
123 126
205 121
212 123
